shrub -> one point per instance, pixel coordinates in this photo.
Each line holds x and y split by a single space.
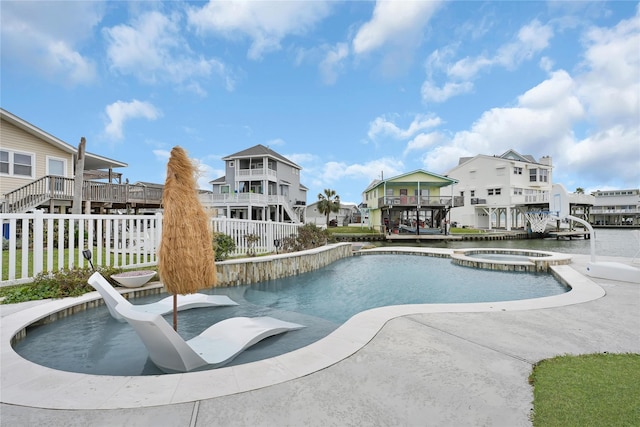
60 284
223 245
309 236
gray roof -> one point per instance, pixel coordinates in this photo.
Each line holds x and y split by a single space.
258 151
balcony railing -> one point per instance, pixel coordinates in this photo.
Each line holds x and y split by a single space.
256 173
51 187
245 198
415 201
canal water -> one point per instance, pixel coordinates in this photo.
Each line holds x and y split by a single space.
609 242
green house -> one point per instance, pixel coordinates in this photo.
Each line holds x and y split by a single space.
415 202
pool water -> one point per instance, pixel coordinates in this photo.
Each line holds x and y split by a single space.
93 342
500 257
352 285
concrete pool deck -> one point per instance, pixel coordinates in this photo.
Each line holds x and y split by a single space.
444 364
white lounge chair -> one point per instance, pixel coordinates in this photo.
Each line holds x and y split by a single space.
112 298
214 347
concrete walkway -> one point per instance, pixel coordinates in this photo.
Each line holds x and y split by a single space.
419 369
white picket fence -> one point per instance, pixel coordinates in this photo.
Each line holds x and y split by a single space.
49 242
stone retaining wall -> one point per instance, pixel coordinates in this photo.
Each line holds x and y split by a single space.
251 270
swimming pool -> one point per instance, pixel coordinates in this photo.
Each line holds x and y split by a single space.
92 342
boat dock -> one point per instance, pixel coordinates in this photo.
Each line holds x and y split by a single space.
573 234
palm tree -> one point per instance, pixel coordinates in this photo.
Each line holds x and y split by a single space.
579 190
328 202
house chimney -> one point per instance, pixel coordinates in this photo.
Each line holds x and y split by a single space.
546 160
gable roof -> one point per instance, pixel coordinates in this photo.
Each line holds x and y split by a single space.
510 154
514 155
260 151
91 161
398 179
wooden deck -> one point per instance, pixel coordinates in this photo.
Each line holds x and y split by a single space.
584 234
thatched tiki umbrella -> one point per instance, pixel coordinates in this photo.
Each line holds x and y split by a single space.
186 261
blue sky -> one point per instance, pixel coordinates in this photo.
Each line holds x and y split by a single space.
347 90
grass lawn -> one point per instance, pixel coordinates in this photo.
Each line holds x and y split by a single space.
122 259
351 230
587 390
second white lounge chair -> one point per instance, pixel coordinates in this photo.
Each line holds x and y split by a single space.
214 347
112 298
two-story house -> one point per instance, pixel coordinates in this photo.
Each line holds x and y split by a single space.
617 208
259 184
497 190
37 171
412 202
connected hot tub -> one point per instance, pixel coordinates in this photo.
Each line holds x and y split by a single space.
509 259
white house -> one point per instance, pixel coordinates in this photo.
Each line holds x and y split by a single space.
497 190
616 208
348 214
259 184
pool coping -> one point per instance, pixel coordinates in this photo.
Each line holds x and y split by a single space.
28 384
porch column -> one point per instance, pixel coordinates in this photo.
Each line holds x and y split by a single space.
507 218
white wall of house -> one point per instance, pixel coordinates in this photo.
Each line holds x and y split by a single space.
497 189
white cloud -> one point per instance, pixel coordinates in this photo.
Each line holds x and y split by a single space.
383 127
607 156
610 85
45 38
333 172
424 141
530 40
153 49
265 23
119 112
431 93
394 22
162 155
332 64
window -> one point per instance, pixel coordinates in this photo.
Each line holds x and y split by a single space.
473 193
224 189
389 192
494 191
16 164
231 164
4 162
517 170
56 166
544 175
462 194
403 192
517 191
533 175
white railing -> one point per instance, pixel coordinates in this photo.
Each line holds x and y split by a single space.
37 242
267 231
256 173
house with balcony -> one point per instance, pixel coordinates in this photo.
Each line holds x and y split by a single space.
498 190
616 208
37 171
259 184
415 202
